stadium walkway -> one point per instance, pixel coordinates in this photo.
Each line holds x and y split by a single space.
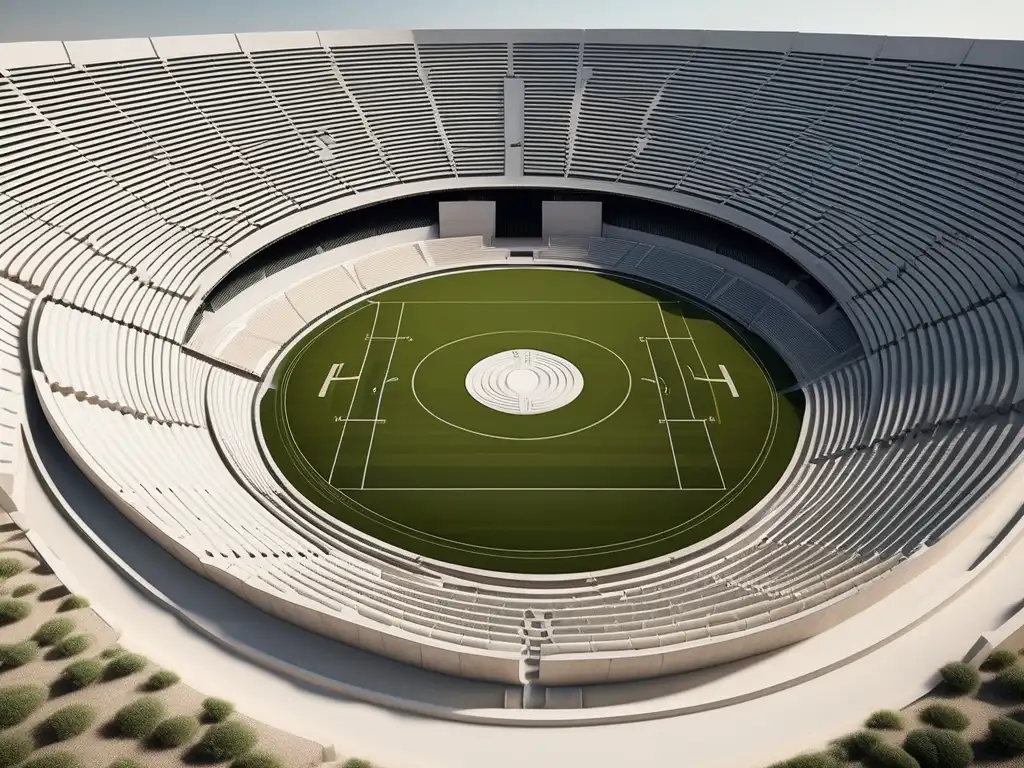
751 733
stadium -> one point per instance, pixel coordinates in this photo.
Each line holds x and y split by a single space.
497 382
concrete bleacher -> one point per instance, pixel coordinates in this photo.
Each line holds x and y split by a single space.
142 177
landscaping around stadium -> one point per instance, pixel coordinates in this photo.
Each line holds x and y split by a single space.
530 420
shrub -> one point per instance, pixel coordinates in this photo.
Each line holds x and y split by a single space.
217 710
73 603
138 719
125 664
938 749
1007 735
997 661
162 679
883 755
71 646
111 651
1011 680
885 719
23 589
79 674
68 722
856 745
18 702
18 654
10 567
961 677
15 747
54 630
54 760
257 760
358 762
945 716
175 731
224 741
13 610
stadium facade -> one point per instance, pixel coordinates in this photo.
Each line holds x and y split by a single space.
140 176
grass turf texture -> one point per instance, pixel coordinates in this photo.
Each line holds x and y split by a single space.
649 458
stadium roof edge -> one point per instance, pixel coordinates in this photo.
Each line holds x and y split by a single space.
1007 54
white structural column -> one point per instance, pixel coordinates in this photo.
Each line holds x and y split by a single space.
515 99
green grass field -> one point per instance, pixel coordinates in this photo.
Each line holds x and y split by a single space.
677 432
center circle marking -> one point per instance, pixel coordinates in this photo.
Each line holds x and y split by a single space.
524 382
616 409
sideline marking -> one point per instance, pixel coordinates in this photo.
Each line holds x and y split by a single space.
726 379
380 397
668 337
703 367
664 416
352 402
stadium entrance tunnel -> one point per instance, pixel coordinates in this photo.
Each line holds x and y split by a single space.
675 429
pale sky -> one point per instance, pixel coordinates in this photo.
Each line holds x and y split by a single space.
90 19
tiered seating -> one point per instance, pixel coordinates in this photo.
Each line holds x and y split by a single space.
453 251
322 292
390 265
120 367
122 183
14 305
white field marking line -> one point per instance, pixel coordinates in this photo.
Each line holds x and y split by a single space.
715 454
668 337
352 402
664 415
718 415
357 421
666 489
726 379
380 396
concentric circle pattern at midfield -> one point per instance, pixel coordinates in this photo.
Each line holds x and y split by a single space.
524 381
530 420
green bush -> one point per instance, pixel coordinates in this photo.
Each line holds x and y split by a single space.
13 610
18 702
997 661
945 716
54 630
175 731
68 722
809 760
54 760
124 664
15 747
73 603
938 749
162 679
10 567
22 590
1011 680
71 646
138 719
1007 735
126 762
961 677
18 654
81 673
111 651
358 762
884 755
856 745
886 720
217 710
224 741
267 760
